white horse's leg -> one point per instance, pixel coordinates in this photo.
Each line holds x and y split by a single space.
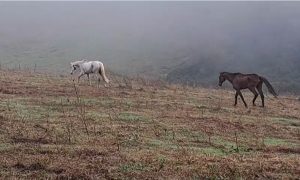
98 79
81 74
106 85
88 75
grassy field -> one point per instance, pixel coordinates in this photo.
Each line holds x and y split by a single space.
53 128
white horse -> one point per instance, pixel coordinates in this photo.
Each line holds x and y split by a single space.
88 67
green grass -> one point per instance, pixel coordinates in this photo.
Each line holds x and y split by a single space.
133 167
131 117
103 102
32 112
169 145
6 147
97 116
212 151
279 142
287 121
156 143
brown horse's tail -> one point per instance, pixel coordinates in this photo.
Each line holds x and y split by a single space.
269 86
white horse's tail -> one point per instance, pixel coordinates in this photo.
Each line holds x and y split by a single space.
102 72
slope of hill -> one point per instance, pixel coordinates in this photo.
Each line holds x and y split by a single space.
53 128
185 41
206 75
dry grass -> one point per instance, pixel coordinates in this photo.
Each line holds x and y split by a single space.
141 129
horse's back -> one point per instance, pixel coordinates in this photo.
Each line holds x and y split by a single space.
97 63
254 77
248 76
244 81
94 66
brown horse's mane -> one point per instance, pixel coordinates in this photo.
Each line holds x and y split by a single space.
230 73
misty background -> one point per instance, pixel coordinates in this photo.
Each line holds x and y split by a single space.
182 42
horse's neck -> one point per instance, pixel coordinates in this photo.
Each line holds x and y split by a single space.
230 77
79 63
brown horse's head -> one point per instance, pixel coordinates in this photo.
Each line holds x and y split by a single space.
221 78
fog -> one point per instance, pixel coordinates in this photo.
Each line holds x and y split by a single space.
179 41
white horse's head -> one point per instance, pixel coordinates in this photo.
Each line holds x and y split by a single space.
76 64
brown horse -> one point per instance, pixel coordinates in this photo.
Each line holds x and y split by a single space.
247 81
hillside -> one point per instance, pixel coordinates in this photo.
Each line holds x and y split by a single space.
176 41
282 68
53 128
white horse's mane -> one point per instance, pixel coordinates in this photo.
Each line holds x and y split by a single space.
79 62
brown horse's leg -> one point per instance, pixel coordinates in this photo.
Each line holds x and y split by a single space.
242 98
236 96
259 88
255 95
